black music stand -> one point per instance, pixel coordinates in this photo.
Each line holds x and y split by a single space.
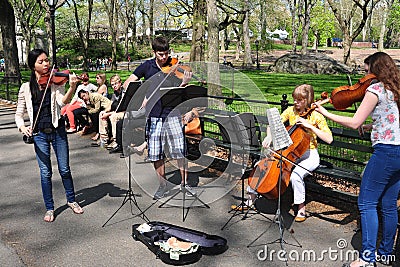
281 140
179 97
129 197
240 132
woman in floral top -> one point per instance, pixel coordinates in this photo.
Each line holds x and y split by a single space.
380 184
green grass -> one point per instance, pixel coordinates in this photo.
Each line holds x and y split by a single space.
271 85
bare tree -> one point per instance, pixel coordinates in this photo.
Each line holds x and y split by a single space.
213 48
346 23
7 22
295 23
386 6
28 14
47 20
112 10
130 24
308 5
247 60
84 33
197 50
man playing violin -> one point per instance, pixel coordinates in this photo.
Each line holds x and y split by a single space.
316 126
162 124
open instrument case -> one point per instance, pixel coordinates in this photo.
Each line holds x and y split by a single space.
191 244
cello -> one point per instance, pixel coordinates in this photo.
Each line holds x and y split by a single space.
265 176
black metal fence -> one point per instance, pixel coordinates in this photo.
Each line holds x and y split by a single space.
9 86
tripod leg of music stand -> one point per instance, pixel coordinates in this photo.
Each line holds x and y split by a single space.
129 196
123 203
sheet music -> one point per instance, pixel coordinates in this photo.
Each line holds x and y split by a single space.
280 137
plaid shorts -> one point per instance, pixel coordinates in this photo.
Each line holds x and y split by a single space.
158 132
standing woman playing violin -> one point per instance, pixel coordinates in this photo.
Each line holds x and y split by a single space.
380 183
47 127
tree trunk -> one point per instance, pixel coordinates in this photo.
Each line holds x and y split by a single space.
263 20
306 26
385 12
346 48
197 50
7 22
151 20
247 60
213 49
238 42
292 7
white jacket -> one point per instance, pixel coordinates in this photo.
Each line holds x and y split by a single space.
25 104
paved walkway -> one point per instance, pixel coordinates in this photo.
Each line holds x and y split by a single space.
100 181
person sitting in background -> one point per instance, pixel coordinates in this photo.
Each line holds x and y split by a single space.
103 90
114 113
76 103
101 82
94 103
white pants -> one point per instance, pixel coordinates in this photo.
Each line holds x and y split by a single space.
310 161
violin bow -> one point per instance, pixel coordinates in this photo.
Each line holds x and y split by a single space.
288 160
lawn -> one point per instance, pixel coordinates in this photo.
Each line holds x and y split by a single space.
271 85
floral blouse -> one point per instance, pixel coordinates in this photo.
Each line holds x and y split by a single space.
385 117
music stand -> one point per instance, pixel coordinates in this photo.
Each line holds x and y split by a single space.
129 197
179 97
240 132
281 140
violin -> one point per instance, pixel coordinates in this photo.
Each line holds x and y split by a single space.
172 66
57 78
345 96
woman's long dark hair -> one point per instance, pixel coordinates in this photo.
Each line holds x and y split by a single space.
385 69
32 57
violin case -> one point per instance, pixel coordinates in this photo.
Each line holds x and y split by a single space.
159 233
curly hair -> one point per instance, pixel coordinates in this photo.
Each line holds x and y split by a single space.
385 69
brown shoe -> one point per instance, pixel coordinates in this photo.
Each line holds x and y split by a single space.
244 206
301 217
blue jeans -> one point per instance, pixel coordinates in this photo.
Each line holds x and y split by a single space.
59 141
380 185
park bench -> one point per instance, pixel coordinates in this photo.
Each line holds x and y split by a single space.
342 161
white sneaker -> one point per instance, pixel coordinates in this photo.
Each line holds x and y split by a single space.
189 190
112 145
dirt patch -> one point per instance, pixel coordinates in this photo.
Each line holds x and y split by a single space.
357 55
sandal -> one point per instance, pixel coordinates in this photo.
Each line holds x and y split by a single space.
49 216
96 137
75 207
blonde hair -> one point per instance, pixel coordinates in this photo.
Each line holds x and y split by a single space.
115 78
102 77
304 91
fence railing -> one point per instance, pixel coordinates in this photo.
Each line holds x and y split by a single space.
9 87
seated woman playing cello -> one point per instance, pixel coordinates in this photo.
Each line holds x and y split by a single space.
315 125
